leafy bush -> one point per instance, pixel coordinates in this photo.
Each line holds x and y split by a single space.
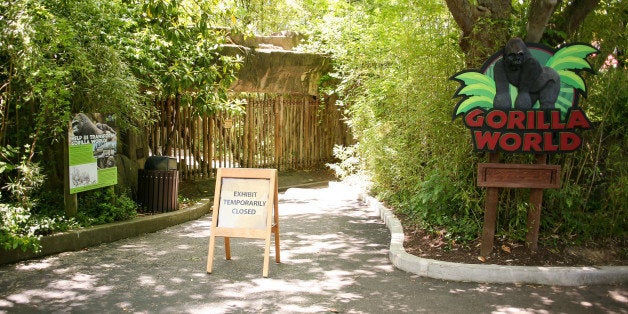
349 161
17 229
103 206
23 219
592 201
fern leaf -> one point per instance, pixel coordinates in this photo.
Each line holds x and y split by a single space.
569 63
478 89
474 102
572 79
563 104
471 77
580 51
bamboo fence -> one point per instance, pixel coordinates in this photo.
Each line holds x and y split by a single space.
285 132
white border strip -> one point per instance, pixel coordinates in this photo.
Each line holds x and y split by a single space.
489 273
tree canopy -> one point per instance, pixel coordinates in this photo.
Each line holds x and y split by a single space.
59 58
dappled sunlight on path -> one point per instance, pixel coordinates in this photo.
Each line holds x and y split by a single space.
334 258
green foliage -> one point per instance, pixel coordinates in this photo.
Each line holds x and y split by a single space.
16 228
393 82
392 62
592 200
349 161
21 223
174 50
63 57
15 231
103 206
58 58
442 203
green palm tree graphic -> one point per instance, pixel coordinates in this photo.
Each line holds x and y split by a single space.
478 89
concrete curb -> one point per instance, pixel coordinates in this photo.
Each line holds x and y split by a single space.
76 240
561 276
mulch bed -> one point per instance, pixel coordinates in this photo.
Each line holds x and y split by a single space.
420 243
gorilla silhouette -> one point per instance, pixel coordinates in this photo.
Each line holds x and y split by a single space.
533 81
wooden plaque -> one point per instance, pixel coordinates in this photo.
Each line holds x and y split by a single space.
519 176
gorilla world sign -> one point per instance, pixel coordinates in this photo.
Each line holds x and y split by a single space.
525 99
532 131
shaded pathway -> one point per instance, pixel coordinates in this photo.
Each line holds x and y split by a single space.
334 259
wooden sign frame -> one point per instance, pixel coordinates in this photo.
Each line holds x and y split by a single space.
539 176
234 226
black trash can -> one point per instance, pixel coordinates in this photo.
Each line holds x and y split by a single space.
158 185
160 163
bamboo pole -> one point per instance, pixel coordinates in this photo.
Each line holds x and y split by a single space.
182 144
204 134
278 134
210 155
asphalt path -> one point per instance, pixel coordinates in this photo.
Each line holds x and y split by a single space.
334 259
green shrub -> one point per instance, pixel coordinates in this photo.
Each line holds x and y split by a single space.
349 161
103 206
442 204
23 219
16 229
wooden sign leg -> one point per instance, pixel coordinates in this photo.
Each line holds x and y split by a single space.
227 248
534 219
266 256
210 254
277 255
534 212
490 214
276 227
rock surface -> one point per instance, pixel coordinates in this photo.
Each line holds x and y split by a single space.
272 66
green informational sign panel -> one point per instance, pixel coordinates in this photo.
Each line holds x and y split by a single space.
93 146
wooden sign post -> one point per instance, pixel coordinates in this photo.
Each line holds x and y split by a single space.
537 177
245 206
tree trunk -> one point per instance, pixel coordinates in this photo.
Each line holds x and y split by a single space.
571 18
538 16
484 27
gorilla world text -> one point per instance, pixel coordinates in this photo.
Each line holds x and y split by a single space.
529 131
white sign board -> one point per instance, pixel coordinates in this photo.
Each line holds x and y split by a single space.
243 203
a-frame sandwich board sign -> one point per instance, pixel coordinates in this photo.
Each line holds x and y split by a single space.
245 206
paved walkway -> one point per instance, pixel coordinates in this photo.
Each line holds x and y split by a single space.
334 255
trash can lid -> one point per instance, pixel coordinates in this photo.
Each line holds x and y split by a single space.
160 163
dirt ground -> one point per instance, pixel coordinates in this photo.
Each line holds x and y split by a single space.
420 243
